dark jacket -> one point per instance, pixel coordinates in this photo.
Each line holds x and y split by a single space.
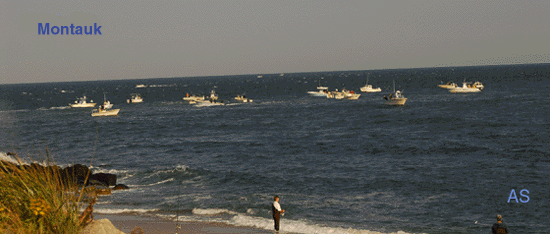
500 228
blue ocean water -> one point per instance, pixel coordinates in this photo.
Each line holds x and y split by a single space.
443 163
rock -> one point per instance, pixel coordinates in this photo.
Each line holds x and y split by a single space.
137 230
75 173
94 182
120 187
105 178
103 191
102 226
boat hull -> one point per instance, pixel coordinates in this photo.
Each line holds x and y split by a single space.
206 103
135 100
78 105
465 90
316 93
370 90
396 101
447 86
353 96
112 112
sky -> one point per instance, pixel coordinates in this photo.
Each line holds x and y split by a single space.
150 39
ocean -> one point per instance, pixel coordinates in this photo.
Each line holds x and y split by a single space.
443 163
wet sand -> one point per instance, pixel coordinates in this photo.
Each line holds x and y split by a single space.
151 225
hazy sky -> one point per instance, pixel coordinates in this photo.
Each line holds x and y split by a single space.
148 39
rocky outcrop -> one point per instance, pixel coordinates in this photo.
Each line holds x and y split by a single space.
76 174
106 179
120 187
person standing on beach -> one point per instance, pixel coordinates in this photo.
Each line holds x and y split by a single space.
276 208
499 227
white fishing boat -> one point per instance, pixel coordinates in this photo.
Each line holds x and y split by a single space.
369 89
466 88
350 94
395 99
213 96
321 91
242 98
203 103
105 112
448 85
106 104
193 99
211 101
140 86
136 98
478 85
344 94
83 102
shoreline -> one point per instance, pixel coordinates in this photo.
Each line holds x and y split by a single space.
156 225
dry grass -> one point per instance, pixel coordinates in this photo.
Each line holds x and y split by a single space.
34 199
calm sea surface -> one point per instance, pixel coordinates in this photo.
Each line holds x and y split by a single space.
443 163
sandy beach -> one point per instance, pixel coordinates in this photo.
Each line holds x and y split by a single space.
150 225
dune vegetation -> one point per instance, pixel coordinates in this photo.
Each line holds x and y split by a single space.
40 199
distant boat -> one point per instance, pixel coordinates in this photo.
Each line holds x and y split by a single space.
344 94
321 91
106 104
259 76
105 112
136 98
467 88
395 99
139 86
213 96
243 98
478 85
193 99
82 102
448 85
351 95
369 89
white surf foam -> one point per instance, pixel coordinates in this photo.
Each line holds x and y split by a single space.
120 211
5 157
109 171
200 211
298 226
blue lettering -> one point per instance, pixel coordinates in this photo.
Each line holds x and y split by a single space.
57 31
86 31
66 28
45 30
513 196
97 29
521 194
79 30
